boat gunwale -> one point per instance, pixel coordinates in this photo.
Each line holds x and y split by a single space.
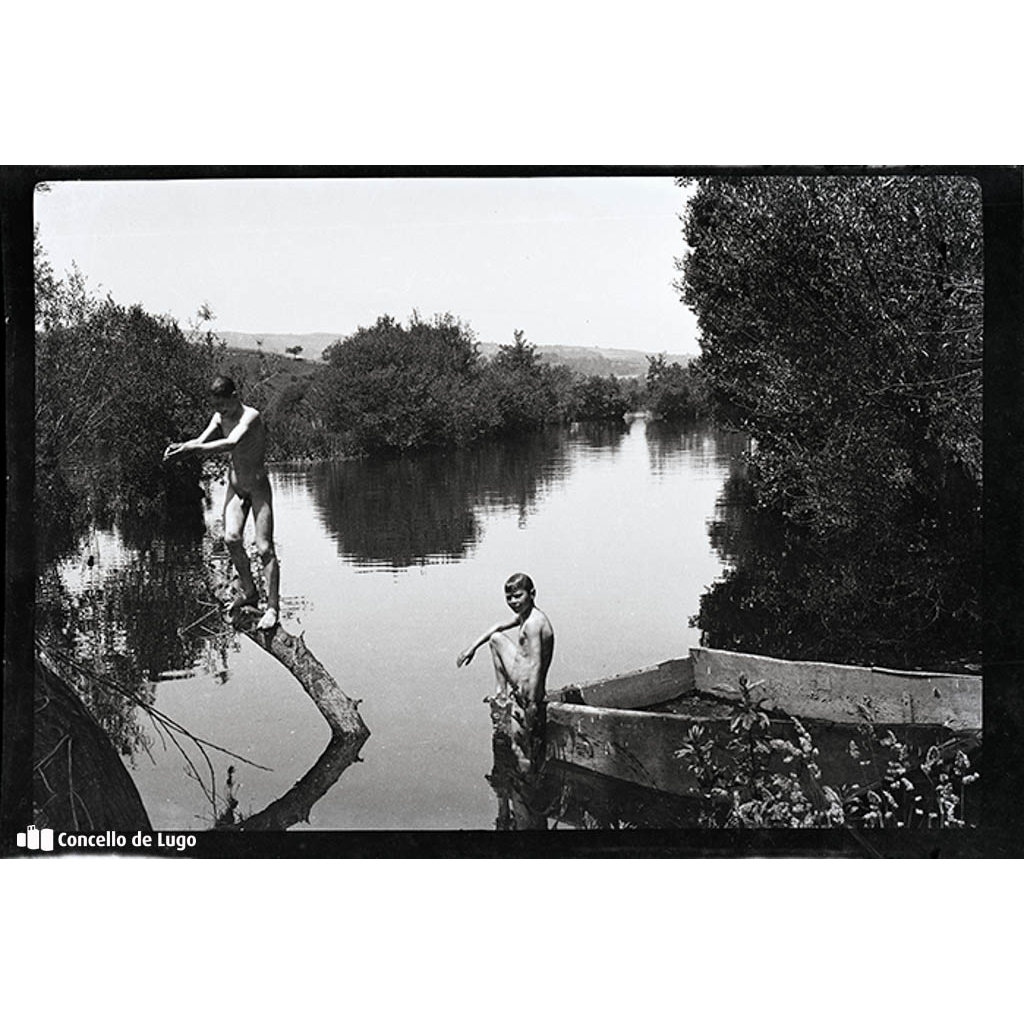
836 691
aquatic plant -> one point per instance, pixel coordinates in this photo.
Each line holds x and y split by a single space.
754 776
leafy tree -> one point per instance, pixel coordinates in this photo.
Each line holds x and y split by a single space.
393 388
114 384
519 357
525 388
672 391
599 398
296 428
841 323
396 388
841 327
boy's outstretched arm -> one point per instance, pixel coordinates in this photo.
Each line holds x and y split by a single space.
179 448
467 655
222 444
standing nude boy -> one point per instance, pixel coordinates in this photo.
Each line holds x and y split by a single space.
521 664
242 433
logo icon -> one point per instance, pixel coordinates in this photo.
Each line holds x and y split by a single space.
36 839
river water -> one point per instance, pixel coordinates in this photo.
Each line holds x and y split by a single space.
389 568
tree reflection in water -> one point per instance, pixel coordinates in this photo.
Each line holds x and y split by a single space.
903 596
123 621
668 441
415 509
110 612
603 435
114 631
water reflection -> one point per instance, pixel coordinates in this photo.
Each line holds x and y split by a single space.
523 802
897 597
603 435
537 793
670 443
419 509
562 795
296 804
123 620
116 622
78 780
145 612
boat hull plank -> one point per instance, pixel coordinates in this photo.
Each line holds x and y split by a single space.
642 688
634 746
820 690
639 747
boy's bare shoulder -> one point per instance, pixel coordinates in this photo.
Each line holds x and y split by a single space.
539 621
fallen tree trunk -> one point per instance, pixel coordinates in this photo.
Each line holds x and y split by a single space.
348 730
339 710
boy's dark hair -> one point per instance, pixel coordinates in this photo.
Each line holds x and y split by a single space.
519 581
223 387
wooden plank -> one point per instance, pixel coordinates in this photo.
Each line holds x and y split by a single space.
634 746
639 747
810 689
639 689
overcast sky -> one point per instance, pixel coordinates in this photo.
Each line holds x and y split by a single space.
570 261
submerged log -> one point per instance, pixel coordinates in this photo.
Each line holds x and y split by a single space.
80 783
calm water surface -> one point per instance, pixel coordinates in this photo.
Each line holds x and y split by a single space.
390 568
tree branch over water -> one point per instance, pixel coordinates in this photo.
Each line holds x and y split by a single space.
98 783
348 730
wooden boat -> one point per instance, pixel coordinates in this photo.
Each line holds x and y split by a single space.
629 727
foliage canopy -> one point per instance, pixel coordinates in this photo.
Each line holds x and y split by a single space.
841 327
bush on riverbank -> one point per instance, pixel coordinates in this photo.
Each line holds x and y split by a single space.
114 385
117 384
841 327
396 387
672 391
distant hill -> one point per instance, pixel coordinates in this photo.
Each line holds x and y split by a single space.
313 345
603 361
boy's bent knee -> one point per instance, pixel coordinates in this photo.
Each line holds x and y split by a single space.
267 554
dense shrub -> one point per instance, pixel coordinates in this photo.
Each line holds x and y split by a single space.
600 398
114 385
673 391
397 388
841 327
766 773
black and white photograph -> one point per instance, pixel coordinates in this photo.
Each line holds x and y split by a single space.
511 510
624 509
